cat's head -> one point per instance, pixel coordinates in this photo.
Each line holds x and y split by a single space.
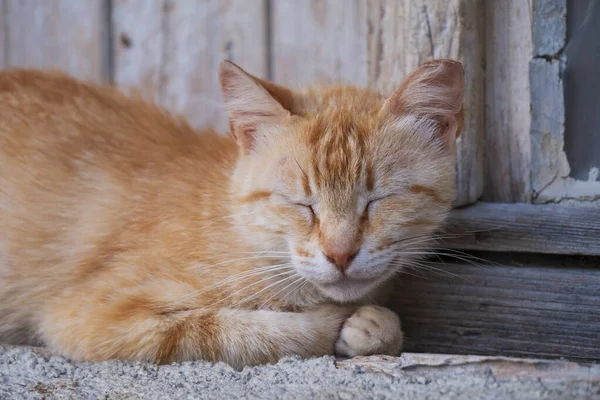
349 182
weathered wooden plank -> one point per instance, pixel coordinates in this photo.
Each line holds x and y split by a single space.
3 27
503 369
513 306
319 41
533 228
508 117
409 33
58 34
174 56
376 44
138 47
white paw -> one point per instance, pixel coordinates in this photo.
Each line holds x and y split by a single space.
370 330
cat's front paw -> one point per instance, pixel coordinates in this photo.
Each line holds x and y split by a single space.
370 330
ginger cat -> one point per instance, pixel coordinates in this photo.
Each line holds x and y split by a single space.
126 234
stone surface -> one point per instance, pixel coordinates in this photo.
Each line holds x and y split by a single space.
29 373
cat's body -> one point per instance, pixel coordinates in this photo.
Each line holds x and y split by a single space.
126 234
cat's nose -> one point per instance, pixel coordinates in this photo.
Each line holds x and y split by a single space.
341 259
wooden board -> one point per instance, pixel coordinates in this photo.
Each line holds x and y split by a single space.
532 228
3 28
503 369
515 306
376 44
62 34
319 42
173 57
508 116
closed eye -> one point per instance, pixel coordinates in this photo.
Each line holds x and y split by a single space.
374 202
307 206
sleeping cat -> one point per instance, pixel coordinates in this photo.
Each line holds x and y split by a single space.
126 234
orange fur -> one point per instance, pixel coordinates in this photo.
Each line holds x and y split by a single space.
126 234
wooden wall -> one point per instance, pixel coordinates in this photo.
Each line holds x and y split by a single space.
169 50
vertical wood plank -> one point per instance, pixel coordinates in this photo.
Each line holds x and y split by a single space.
138 45
174 57
376 43
58 34
3 27
508 115
408 33
320 41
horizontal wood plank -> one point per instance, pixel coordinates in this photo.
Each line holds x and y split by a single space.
534 228
515 306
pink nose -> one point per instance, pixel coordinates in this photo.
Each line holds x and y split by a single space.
341 259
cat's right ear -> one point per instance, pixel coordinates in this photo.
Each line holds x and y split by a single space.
433 91
251 102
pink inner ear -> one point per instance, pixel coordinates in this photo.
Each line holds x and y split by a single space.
434 90
249 104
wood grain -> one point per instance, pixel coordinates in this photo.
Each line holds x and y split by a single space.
508 116
533 228
409 33
60 34
319 42
173 57
3 28
138 47
517 306
503 369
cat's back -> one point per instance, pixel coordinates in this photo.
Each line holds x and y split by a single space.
80 164
48 117
50 107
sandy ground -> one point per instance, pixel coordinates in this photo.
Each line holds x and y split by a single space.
30 373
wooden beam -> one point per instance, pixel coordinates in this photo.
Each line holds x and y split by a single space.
508 115
532 228
514 306
58 34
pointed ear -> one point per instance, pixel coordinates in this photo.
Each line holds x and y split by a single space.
249 103
434 91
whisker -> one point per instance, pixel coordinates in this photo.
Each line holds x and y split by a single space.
434 252
237 277
265 252
231 260
420 266
280 281
471 256
254 284
400 271
273 296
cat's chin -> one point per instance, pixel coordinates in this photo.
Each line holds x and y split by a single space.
347 290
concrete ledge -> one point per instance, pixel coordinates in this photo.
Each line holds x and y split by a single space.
30 373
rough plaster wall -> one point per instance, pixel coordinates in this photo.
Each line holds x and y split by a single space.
551 173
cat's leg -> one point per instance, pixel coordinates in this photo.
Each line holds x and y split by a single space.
370 330
132 330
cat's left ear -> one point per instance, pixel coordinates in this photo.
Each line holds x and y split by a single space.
433 91
251 102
